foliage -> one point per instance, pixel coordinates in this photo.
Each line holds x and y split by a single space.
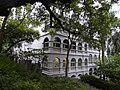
113 46
14 77
100 84
35 55
84 20
112 68
19 28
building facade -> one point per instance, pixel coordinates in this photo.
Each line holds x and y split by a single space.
82 58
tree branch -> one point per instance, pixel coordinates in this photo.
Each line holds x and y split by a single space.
15 44
23 19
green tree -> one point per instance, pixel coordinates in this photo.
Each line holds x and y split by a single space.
112 67
15 37
5 9
19 28
113 44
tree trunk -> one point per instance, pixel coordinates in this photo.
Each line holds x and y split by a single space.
67 63
103 55
67 58
103 58
100 66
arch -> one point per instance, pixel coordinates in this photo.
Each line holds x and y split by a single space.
95 71
90 58
95 58
90 46
90 71
64 64
79 62
65 43
46 42
86 62
79 75
45 63
56 64
85 46
73 45
73 63
46 39
79 46
57 42
73 76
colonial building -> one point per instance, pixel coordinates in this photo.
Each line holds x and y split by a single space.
82 58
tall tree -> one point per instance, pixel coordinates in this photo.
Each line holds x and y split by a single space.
19 28
113 46
5 8
87 21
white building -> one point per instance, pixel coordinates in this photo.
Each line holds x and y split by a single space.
82 58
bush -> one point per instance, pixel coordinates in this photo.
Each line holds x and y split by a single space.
15 77
101 84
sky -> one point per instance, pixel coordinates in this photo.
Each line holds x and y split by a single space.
116 9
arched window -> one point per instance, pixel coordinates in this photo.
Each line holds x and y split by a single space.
73 63
90 58
90 71
64 63
57 42
65 43
73 76
46 42
45 63
95 58
79 62
90 47
56 64
79 46
73 45
79 75
86 61
95 71
85 46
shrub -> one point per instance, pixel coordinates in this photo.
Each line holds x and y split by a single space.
101 84
15 77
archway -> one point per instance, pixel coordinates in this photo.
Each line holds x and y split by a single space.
73 64
90 71
73 76
56 64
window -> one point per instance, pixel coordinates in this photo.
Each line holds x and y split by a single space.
90 58
85 47
56 62
73 62
90 71
45 62
65 43
64 62
79 46
90 47
46 42
86 61
95 58
57 42
79 62
73 45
